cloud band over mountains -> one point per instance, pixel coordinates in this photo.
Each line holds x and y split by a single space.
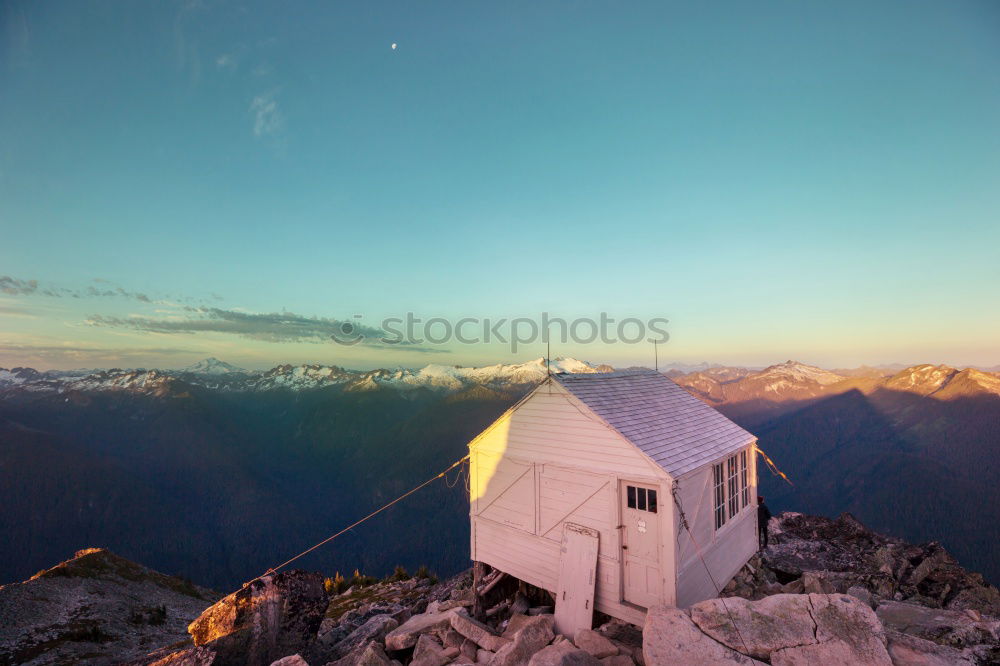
268 327
17 287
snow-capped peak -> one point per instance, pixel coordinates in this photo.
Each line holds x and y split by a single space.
801 371
213 366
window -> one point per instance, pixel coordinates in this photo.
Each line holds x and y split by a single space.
643 499
744 488
731 487
720 497
732 478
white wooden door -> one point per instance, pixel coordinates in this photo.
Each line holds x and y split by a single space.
577 578
643 582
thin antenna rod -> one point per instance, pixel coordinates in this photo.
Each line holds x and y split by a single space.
548 358
656 355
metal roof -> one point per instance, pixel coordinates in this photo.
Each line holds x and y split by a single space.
671 426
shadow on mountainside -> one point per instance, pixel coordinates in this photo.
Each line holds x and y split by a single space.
915 467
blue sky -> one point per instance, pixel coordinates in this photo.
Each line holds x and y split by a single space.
778 179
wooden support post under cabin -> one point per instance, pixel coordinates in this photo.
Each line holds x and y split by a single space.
478 571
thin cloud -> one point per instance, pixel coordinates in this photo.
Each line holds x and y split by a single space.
85 356
118 291
50 349
15 311
17 287
268 119
226 61
282 327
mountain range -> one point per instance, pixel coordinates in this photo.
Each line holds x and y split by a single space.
215 473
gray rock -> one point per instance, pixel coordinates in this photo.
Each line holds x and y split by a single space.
271 618
406 635
520 622
429 652
618 660
291 660
945 627
794 587
842 618
197 656
669 637
562 654
528 638
594 643
862 594
375 628
907 650
483 656
540 610
371 654
520 605
830 652
469 650
813 582
477 632
775 622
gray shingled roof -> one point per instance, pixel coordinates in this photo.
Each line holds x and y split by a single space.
671 426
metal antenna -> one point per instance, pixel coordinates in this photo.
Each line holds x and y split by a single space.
548 358
656 355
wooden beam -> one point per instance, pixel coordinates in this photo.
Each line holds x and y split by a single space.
478 571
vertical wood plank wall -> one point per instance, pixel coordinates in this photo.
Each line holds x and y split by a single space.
541 465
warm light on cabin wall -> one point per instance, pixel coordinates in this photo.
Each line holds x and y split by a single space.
486 453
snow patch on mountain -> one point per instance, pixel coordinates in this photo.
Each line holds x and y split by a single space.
797 372
213 366
218 375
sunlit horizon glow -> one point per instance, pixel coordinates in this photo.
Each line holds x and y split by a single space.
780 181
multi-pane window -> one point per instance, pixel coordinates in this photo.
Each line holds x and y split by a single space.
731 489
744 488
643 499
732 479
720 496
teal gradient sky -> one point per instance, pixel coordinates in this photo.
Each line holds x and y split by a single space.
818 181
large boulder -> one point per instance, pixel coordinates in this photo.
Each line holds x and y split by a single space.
782 629
670 637
773 623
266 620
844 626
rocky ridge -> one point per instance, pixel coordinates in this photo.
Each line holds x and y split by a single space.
218 375
826 591
96 608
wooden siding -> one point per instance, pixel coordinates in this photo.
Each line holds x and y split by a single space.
725 550
536 561
550 460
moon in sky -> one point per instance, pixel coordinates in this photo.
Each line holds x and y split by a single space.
394 46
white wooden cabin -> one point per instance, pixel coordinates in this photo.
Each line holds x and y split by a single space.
607 451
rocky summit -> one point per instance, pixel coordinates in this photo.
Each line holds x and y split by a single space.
96 608
824 592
